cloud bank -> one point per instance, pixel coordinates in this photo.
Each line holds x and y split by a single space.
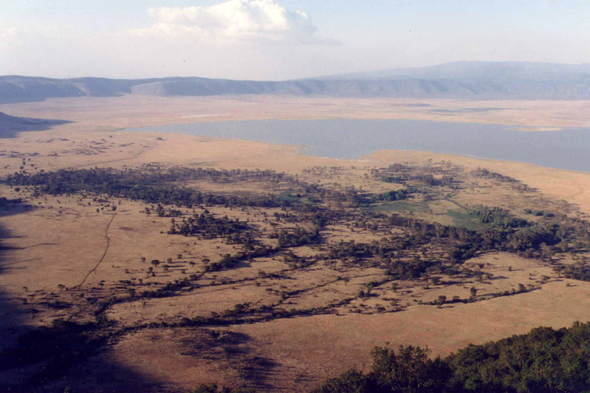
232 21
7 33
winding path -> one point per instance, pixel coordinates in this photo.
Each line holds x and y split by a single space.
106 235
134 156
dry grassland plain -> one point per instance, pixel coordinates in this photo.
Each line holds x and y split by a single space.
60 251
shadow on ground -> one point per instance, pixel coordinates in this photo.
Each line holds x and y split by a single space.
12 125
51 358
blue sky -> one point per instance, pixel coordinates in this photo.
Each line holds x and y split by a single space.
281 39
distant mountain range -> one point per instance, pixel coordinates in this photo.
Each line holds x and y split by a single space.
481 71
466 80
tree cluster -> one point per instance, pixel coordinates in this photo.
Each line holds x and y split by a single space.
541 361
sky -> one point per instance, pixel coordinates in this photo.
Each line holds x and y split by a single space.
281 39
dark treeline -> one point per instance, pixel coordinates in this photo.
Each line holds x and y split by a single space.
485 174
4 202
498 217
311 205
542 361
439 175
501 232
391 196
298 237
154 185
427 179
514 183
579 271
207 226
150 185
430 176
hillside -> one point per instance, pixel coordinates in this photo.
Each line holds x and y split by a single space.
467 80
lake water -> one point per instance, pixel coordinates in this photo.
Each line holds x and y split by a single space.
566 149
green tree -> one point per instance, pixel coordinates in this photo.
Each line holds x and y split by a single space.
351 381
409 370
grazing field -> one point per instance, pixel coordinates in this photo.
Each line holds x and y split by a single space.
145 262
107 114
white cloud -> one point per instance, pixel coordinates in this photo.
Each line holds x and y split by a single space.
234 20
7 33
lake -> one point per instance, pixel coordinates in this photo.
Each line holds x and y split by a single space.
565 149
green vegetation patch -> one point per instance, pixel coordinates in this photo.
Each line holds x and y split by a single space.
543 360
291 197
402 207
465 220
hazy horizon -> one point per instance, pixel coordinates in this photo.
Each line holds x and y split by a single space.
280 39
329 76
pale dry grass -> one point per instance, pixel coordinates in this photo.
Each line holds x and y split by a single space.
114 113
52 247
